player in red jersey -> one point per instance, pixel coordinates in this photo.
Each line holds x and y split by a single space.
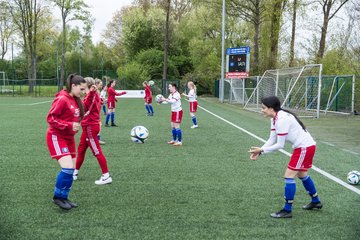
111 103
91 127
63 118
285 126
148 99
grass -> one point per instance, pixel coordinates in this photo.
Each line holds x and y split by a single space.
206 189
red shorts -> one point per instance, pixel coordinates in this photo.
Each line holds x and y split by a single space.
301 159
148 100
193 107
60 147
89 138
176 117
111 105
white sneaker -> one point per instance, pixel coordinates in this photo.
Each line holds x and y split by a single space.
75 177
194 126
103 180
177 144
101 142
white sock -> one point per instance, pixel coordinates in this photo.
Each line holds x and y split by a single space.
76 172
106 175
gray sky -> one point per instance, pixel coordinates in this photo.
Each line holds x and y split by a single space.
102 11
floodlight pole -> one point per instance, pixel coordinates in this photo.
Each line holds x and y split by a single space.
221 92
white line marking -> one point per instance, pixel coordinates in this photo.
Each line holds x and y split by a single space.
328 175
349 151
31 104
327 143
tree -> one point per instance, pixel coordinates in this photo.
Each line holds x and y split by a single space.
7 29
251 11
166 37
329 9
70 10
26 15
293 31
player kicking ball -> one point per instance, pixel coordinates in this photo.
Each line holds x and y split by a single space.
285 126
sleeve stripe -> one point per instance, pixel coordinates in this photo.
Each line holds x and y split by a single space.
282 134
273 129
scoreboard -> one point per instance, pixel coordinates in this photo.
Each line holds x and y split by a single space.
237 62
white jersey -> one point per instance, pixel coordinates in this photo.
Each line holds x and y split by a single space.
284 127
103 94
175 100
192 95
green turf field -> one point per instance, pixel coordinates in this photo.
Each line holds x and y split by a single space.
206 189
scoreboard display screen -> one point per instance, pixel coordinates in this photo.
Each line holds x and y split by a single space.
237 62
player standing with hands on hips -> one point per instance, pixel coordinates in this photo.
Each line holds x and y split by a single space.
176 114
193 102
111 103
63 118
286 126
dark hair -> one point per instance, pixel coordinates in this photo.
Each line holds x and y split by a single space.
274 103
110 82
174 85
77 80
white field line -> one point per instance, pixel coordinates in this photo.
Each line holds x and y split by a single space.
322 172
28 104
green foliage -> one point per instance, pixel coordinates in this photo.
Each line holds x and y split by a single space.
134 74
335 62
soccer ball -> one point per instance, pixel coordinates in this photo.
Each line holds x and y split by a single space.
139 134
151 83
353 177
158 98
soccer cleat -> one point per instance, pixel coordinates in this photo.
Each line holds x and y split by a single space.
107 125
172 142
101 142
62 203
103 181
312 205
75 177
281 214
72 204
194 126
113 125
177 144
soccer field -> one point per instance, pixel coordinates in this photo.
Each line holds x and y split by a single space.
206 189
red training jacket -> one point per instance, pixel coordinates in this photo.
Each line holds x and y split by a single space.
63 112
92 105
112 93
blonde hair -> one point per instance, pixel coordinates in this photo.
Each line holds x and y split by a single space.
97 81
192 85
89 81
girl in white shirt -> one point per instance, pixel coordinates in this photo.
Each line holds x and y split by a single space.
193 102
285 126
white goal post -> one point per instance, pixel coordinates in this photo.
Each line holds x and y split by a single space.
298 88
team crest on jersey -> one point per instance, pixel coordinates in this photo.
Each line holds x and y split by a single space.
65 150
77 113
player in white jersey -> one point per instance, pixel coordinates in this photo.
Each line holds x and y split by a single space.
193 102
176 114
103 99
285 126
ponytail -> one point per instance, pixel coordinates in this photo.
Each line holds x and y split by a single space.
77 80
274 103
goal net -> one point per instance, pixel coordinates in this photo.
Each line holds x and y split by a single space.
239 89
298 89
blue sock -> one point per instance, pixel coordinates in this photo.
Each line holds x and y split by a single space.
179 134
147 108
104 109
310 188
290 189
112 117
194 120
151 109
64 182
107 118
174 133
98 136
